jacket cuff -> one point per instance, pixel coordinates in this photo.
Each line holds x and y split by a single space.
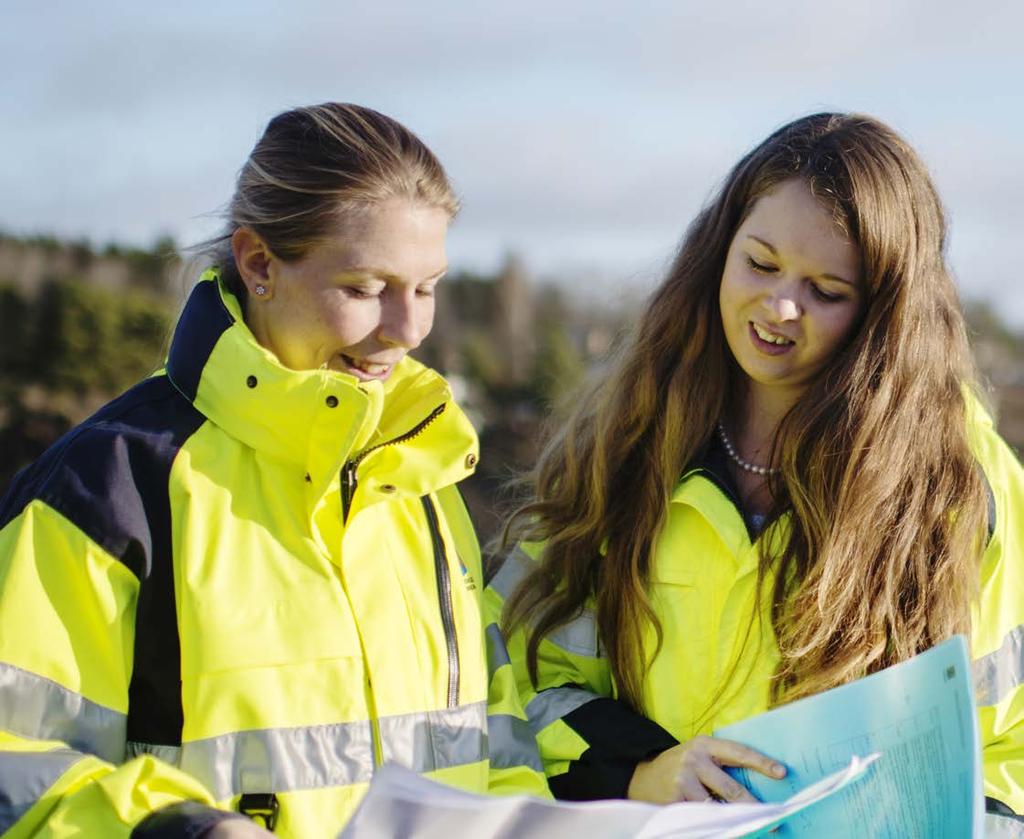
184 820
619 739
589 780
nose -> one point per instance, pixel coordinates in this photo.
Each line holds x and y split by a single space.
782 303
402 323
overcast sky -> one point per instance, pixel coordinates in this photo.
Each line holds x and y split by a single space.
582 135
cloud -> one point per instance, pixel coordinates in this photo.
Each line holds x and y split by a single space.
581 133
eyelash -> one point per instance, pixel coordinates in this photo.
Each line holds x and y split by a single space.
363 294
825 296
760 267
821 294
360 293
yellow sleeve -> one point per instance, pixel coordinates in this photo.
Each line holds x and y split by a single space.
67 611
998 625
590 742
569 670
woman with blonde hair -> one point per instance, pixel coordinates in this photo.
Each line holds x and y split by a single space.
784 483
246 583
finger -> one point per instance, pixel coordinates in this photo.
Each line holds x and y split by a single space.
690 789
731 753
720 783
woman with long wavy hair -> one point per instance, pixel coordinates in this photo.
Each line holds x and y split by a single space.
785 482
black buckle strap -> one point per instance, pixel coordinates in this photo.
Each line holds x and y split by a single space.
261 807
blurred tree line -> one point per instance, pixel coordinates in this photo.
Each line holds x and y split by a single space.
78 326
65 351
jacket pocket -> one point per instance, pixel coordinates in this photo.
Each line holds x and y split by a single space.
297 624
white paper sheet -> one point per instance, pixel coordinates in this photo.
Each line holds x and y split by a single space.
402 804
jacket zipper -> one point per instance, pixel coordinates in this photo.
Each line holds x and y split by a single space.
444 594
349 482
349 479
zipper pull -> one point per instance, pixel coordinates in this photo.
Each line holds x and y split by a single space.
348 488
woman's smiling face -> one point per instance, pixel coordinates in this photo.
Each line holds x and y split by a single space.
358 301
791 291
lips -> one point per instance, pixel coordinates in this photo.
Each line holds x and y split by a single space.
367 370
769 341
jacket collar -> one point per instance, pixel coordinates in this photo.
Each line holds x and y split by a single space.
313 419
708 486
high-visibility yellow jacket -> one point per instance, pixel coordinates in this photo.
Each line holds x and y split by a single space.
240 586
703 590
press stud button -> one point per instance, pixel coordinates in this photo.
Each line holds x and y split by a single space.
332 401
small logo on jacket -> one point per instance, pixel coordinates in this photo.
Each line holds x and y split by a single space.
467 578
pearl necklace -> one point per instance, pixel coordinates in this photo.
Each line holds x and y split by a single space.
746 465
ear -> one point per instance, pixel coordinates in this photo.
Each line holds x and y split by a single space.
253 258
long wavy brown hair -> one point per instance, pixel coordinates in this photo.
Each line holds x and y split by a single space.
880 497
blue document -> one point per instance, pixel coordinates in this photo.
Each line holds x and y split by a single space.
918 714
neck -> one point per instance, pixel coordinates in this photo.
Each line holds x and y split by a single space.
756 419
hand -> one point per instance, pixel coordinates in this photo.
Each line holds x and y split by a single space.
692 771
236 829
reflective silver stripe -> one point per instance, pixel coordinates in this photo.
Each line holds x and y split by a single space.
1002 827
168 754
434 740
36 707
553 704
578 636
512 743
497 653
281 759
999 672
315 757
25 776
512 572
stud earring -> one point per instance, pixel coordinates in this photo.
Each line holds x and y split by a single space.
260 290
